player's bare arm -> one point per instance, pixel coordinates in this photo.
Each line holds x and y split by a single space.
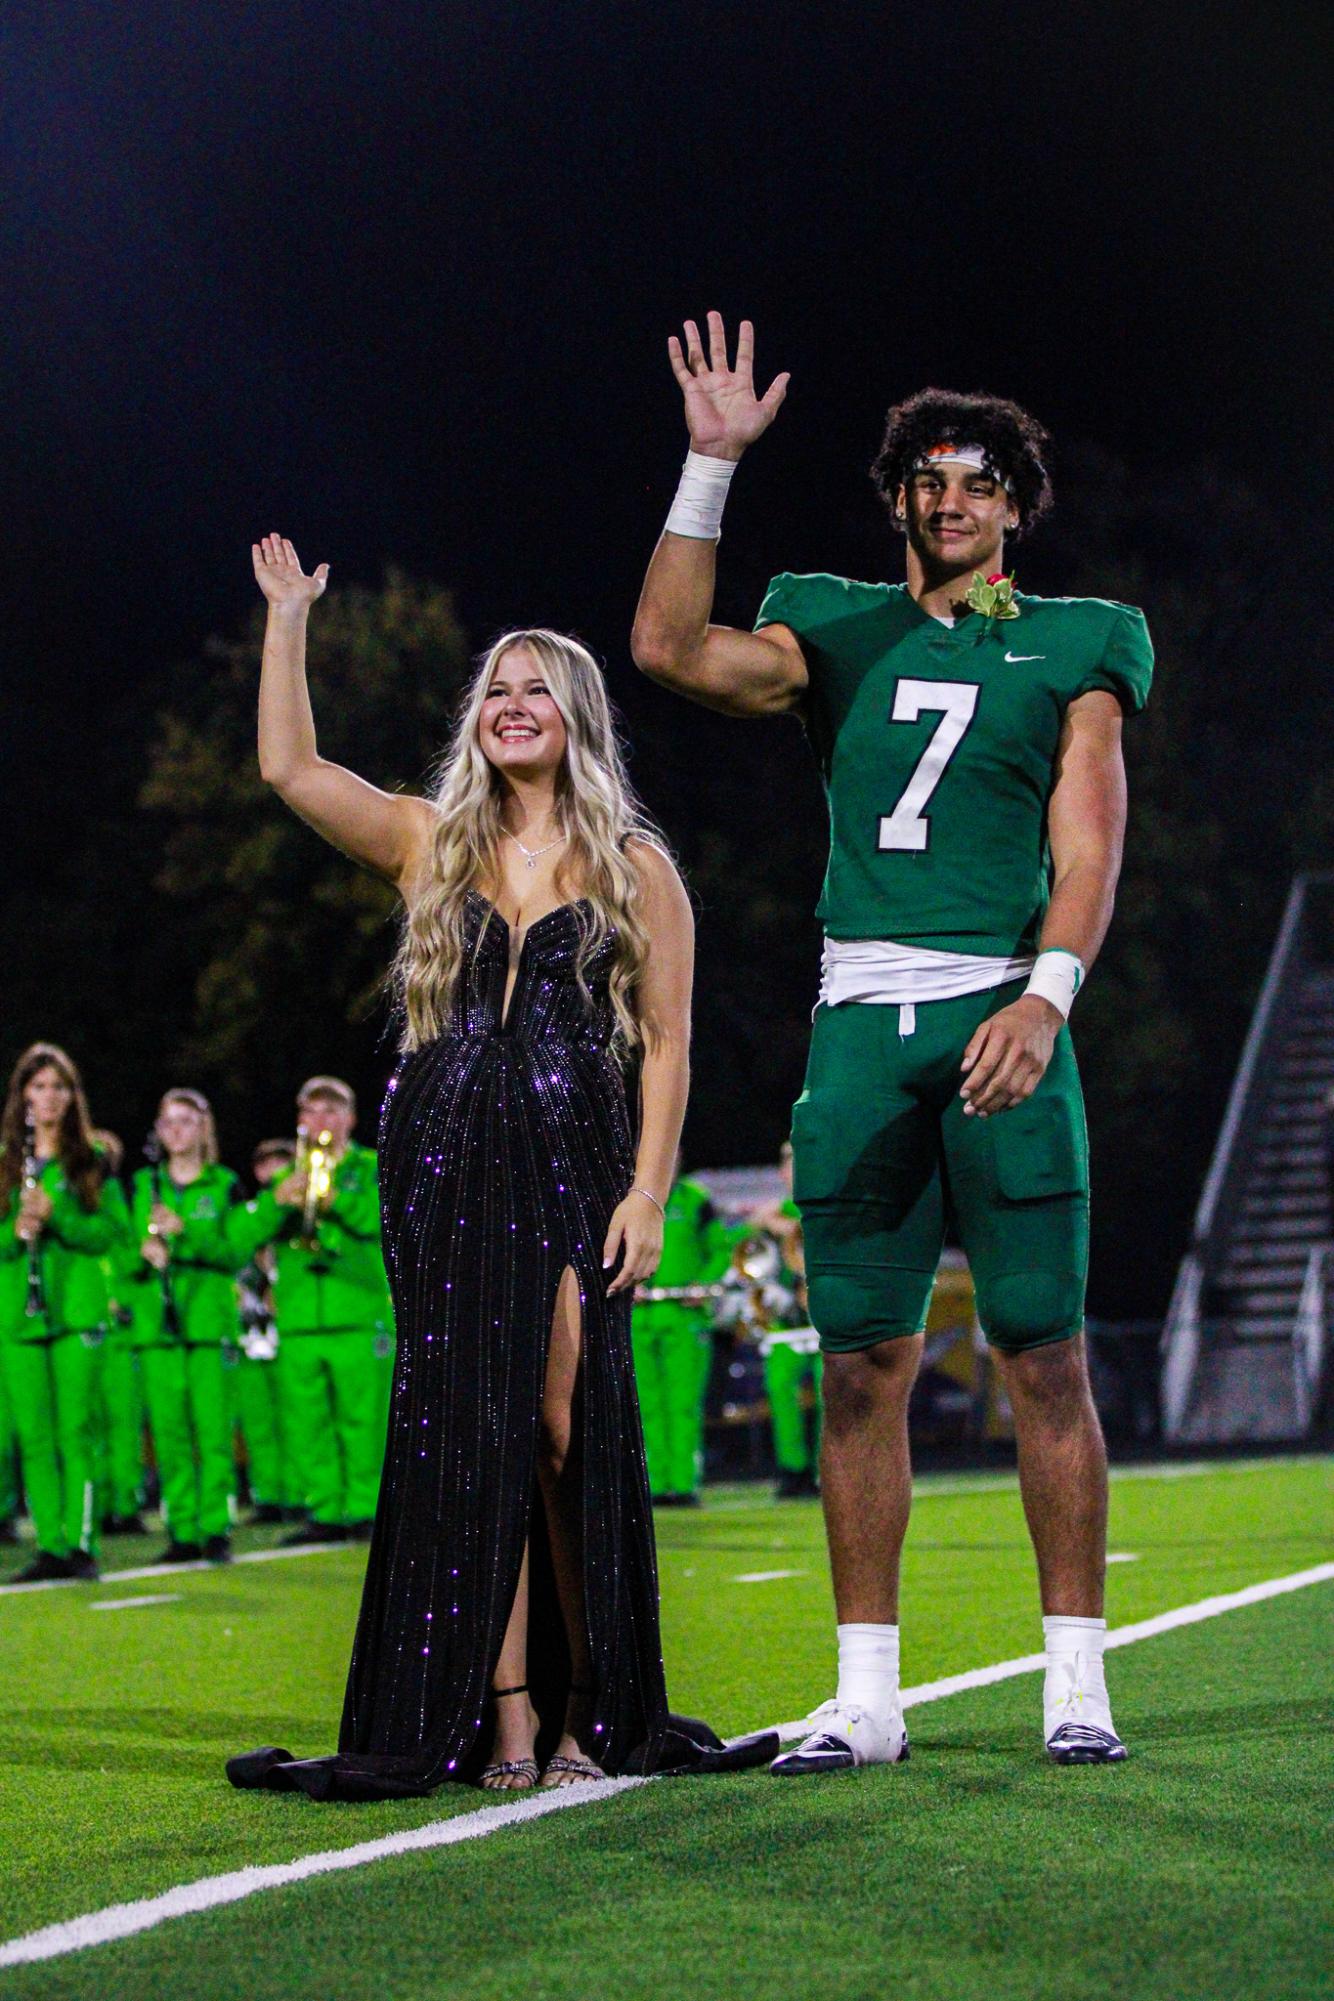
673 642
385 832
1086 818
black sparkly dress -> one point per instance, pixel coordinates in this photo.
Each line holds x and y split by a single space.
504 1148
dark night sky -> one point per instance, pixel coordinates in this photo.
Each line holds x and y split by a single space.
397 278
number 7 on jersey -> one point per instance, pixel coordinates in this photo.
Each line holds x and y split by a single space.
908 827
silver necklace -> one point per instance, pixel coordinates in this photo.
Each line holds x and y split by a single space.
531 855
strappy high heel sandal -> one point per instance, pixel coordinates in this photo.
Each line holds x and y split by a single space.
562 1771
524 1769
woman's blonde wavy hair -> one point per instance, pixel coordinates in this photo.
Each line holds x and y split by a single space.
597 813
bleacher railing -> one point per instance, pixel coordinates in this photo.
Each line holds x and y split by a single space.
1184 1331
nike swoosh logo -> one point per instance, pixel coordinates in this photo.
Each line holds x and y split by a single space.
1015 658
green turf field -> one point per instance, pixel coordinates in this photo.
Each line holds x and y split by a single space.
1200 1868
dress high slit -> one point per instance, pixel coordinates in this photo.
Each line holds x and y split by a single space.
505 1146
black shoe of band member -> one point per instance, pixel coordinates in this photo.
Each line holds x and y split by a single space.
796 1486
360 1531
266 1512
44 1569
217 1549
9 1535
81 1564
124 1525
181 1552
314 1532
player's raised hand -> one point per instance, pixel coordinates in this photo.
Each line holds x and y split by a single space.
280 576
723 413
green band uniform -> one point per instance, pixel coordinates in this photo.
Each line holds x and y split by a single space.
786 1374
257 1386
938 746
120 1415
335 1327
670 1339
51 1359
182 1365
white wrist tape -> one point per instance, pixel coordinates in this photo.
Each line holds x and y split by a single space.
1057 976
698 507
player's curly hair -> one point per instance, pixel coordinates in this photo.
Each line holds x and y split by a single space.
1015 443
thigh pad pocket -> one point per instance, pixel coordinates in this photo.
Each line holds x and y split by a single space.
1040 1148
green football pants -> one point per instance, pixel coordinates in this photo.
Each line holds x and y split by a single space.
785 1373
120 1431
258 1406
190 1416
883 1151
9 1457
331 1405
52 1390
671 1356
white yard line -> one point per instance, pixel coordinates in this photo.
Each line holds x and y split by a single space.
164 1570
765 1576
128 1604
932 1486
124 1920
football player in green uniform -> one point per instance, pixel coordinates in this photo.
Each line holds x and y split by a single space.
335 1325
179 1282
970 743
672 1346
61 1213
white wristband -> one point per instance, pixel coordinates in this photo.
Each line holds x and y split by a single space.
698 507
1057 976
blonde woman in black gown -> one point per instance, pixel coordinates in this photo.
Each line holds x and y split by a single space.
509 1627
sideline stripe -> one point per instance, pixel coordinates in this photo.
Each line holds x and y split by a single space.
128 1604
123 1920
160 1570
1120 1636
930 1486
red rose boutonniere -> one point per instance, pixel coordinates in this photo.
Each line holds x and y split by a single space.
993 596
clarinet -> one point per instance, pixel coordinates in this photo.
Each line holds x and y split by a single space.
36 1301
171 1317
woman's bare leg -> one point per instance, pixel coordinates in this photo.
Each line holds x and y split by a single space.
560 1476
516 1719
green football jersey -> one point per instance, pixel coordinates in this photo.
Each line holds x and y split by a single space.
938 744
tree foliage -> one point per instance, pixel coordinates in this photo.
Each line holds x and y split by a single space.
287 942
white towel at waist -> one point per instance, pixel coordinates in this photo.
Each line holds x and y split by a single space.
873 969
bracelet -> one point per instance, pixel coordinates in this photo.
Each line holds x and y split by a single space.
637 1190
1057 977
697 510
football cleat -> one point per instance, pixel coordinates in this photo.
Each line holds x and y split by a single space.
844 1735
1077 1717
1085 1744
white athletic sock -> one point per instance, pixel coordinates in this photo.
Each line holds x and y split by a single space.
1075 1689
868 1667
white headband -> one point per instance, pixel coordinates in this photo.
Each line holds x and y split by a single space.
962 455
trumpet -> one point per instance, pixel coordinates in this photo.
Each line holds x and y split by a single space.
313 1158
35 1304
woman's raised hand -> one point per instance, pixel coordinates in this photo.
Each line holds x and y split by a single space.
723 413
279 574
